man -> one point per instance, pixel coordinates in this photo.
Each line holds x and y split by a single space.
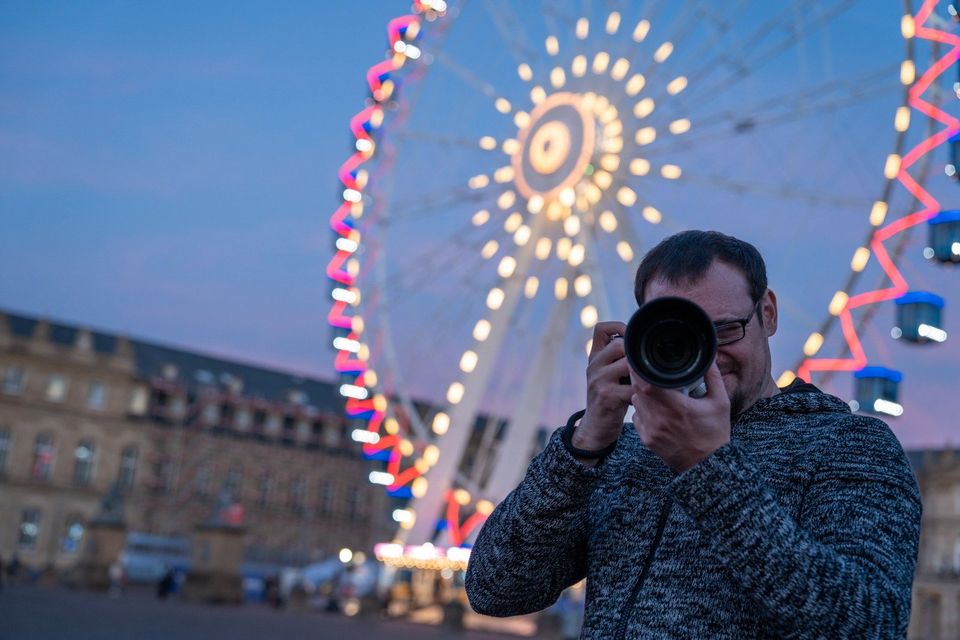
752 512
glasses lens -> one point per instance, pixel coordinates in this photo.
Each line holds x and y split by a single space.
730 332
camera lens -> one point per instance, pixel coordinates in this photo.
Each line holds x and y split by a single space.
671 348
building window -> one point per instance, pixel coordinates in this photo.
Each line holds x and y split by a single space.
42 457
57 388
4 449
354 503
96 395
128 467
264 489
243 420
201 483
138 401
211 414
83 463
272 426
13 380
303 431
331 435
234 483
298 491
72 534
328 493
163 475
29 527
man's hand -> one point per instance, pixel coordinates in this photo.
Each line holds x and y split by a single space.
680 429
607 398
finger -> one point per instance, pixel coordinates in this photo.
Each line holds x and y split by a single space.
611 353
714 380
603 333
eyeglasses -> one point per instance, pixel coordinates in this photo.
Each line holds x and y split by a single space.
734 330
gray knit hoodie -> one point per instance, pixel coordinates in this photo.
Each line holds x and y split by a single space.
805 525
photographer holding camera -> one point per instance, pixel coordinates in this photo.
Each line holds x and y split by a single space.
736 511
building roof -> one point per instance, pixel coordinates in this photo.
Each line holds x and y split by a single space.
194 369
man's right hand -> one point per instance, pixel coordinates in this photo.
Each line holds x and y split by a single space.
607 398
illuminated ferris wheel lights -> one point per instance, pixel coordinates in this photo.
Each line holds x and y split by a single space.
620 68
813 344
555 210
592 194
354 391
612 129
525 72
364 354
641 30
489 249
626 196
878 213
936 334
406 49
571 226
454 393
582 285
860 259
352 195
600 62
613 22
522 236
420 485
908 72
480 218
478 181
902 120
588 316
680 126
347 245
610 161
513 222
652 215
502 105
582 29
613 145
643 108
670 171
908 27
560 288
402 516
357 324
342 343
625 251
495 298
663 52
510 146
441 423
380 477
481 330
506 200
521 119
537 95
608 221
677 85
350 296
639 166
468 361
838 303
645 136
542 250
602 179
365 436
557 77
563 248
431 454
530 287
567 197
462 497
786 378
635 84
577 254
880 405
406 447
503 174
535 204
488 143
552 45
892 166
391 426
578 66
508 264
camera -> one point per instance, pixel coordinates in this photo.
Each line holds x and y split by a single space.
671 342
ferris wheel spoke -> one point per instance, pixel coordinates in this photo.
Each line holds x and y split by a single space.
472 80
435 203
439 139
511 31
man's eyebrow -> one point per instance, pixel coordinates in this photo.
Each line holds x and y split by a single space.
727 320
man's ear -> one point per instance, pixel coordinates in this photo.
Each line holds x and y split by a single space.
768 307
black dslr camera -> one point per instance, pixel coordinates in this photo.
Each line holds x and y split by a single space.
670 343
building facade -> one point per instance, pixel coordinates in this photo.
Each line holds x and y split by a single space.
936 586
179 435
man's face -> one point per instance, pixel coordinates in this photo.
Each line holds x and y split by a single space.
724 294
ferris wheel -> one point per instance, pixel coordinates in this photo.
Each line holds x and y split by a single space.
514 161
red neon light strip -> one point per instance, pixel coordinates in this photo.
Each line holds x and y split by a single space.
899 286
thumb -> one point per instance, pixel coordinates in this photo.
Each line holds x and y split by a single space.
714 381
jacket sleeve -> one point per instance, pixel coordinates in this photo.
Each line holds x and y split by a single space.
844 569
533 545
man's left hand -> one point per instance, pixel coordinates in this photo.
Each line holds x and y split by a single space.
680 429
